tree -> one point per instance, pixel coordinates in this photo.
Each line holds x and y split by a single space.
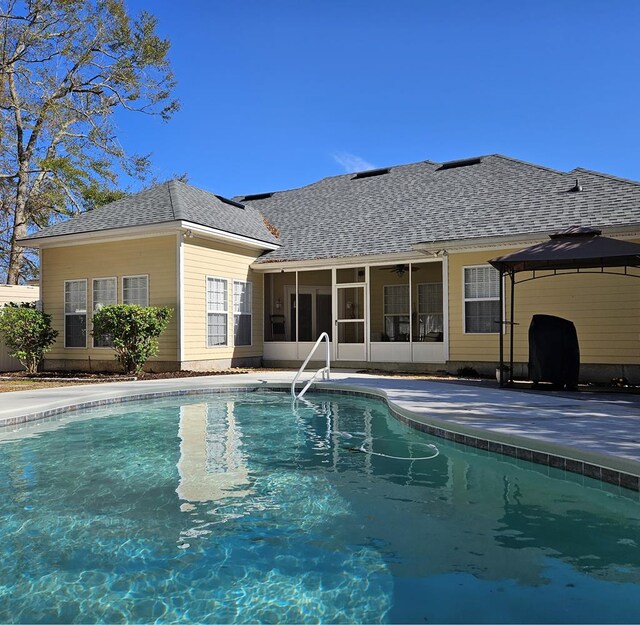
66 66
27 333
134 332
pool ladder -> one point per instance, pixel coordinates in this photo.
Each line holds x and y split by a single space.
325 371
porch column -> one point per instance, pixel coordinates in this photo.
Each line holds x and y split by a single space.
367 313
297 315
500 328
511 325
411 309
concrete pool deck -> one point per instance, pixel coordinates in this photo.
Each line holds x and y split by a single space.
598 432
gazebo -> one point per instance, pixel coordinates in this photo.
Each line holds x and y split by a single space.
574 250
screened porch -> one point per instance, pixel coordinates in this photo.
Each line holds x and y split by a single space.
372 313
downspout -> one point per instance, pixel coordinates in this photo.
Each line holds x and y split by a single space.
180 298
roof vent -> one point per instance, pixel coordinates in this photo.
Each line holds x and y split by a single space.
230 202
463 163
576 188
256 196
370 173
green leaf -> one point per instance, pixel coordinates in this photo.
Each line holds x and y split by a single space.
27 332
134 332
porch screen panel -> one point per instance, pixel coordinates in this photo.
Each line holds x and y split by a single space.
104 294
481 299
430 318
242 307
75 313
217 311
396 312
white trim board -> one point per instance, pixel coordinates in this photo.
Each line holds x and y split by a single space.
146 231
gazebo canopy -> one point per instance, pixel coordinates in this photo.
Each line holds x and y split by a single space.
574 248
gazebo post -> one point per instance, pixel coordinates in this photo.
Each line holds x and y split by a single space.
500 330
512 274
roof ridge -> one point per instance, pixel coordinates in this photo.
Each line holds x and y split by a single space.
604 175
170 187
213 195
520 161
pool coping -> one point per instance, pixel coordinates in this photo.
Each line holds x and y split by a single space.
617 471
622 472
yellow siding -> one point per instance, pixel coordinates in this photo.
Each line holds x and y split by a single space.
604 308
153 256
202 259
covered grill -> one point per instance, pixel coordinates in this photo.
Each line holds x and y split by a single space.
554 354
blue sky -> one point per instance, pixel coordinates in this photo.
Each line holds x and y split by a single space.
279 93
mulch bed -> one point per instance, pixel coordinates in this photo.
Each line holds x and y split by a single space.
112 377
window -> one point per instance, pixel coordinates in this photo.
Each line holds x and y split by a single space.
241 313
104 294
217 309
481 299
396 312
135 290
75 313
430 324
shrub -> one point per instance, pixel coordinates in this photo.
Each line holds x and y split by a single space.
133 330
27 333
467 372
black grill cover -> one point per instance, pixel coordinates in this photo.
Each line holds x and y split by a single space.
554 355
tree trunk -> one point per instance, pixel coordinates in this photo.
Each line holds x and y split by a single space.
19 230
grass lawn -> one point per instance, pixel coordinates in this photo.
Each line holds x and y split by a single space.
28 385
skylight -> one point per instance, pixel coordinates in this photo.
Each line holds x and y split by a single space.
256 196
462 163
230 202
370 173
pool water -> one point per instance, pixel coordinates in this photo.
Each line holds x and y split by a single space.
235 508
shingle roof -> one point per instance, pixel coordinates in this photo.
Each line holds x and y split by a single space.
342 216
166 202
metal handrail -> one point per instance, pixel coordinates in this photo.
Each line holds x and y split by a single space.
325 371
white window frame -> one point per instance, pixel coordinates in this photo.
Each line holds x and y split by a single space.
249 285
224 312
86 297
385 314
466 299
140 275
93 305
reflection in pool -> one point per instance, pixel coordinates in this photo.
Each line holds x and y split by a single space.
234 508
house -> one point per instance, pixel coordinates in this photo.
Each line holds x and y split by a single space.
392 263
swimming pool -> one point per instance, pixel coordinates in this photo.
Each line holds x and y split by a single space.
234 508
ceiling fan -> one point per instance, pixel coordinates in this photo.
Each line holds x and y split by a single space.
400 269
